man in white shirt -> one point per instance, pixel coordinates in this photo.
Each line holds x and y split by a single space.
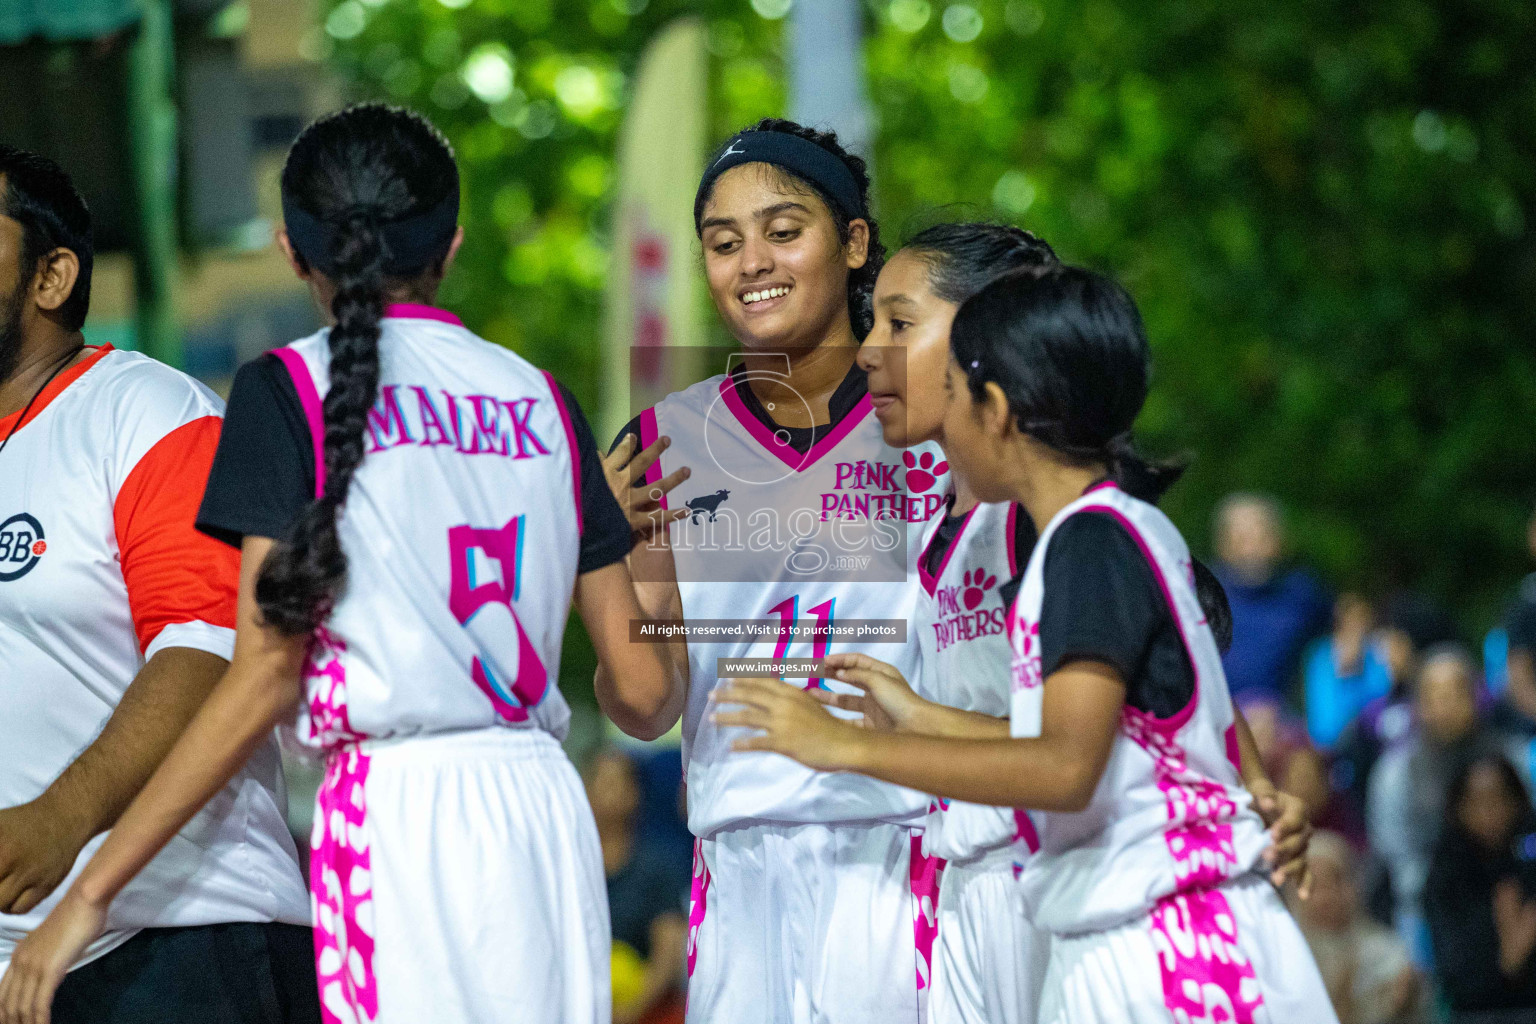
116 619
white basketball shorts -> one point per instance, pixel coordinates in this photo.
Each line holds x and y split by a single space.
457 878
989 961
1231 953
806 924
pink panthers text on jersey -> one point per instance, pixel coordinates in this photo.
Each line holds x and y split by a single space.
101 568
1170 813
776 536
460 538
962 627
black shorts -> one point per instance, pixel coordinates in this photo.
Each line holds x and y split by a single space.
215 974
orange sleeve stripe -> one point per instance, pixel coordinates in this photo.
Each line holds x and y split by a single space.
174 573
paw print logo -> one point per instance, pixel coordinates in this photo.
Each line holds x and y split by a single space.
921 472
976 583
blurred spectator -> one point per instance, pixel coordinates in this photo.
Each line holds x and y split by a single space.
1408 786
1516 711
1480 899
647 899
1365 966
1305 774
1411 624
1344 672
1275 611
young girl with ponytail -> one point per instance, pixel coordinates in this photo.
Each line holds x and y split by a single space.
1121 739
416 509
988 960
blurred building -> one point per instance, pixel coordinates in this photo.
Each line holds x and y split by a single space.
238 86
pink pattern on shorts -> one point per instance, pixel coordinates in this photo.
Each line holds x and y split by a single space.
1206 977
925 873
342 888
325 679
698 902
1200 811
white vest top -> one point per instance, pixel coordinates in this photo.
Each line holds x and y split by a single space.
461 542
1170 813
962 627
776 536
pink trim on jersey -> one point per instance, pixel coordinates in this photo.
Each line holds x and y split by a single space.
1200 811
925 874
418 311
570 444
341 880
787 455
1100 486
1013 539
1206 975
930 580
1174 722
314 412
698 902
648 434
1024 830
1234 749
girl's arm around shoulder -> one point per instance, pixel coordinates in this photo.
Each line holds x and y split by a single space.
1056 771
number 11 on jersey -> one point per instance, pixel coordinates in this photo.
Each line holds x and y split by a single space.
788 612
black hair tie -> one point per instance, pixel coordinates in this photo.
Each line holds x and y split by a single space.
410 244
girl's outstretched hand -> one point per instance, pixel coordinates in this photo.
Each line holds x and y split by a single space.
624 470
793 723
40 961
888 701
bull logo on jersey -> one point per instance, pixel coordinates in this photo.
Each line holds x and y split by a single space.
21 546
707 504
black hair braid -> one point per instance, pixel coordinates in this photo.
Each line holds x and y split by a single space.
861 282
357 169
1214 603
297 594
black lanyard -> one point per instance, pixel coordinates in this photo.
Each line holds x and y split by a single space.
38 394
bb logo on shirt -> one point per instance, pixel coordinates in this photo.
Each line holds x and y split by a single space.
21 546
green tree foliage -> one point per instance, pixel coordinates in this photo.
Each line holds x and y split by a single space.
1323 210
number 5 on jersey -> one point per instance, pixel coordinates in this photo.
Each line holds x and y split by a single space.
518 680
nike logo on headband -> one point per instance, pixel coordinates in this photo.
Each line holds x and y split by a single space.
730 151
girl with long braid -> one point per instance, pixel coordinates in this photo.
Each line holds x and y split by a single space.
416 509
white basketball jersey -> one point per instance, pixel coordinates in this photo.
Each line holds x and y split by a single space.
776 537
461 542
1170 813
962 627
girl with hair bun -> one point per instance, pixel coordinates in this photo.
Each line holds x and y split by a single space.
1122 739
788 508
416 510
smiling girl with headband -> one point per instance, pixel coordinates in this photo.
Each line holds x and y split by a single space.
805 887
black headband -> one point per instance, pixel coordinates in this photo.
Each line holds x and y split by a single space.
801 157
410 244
